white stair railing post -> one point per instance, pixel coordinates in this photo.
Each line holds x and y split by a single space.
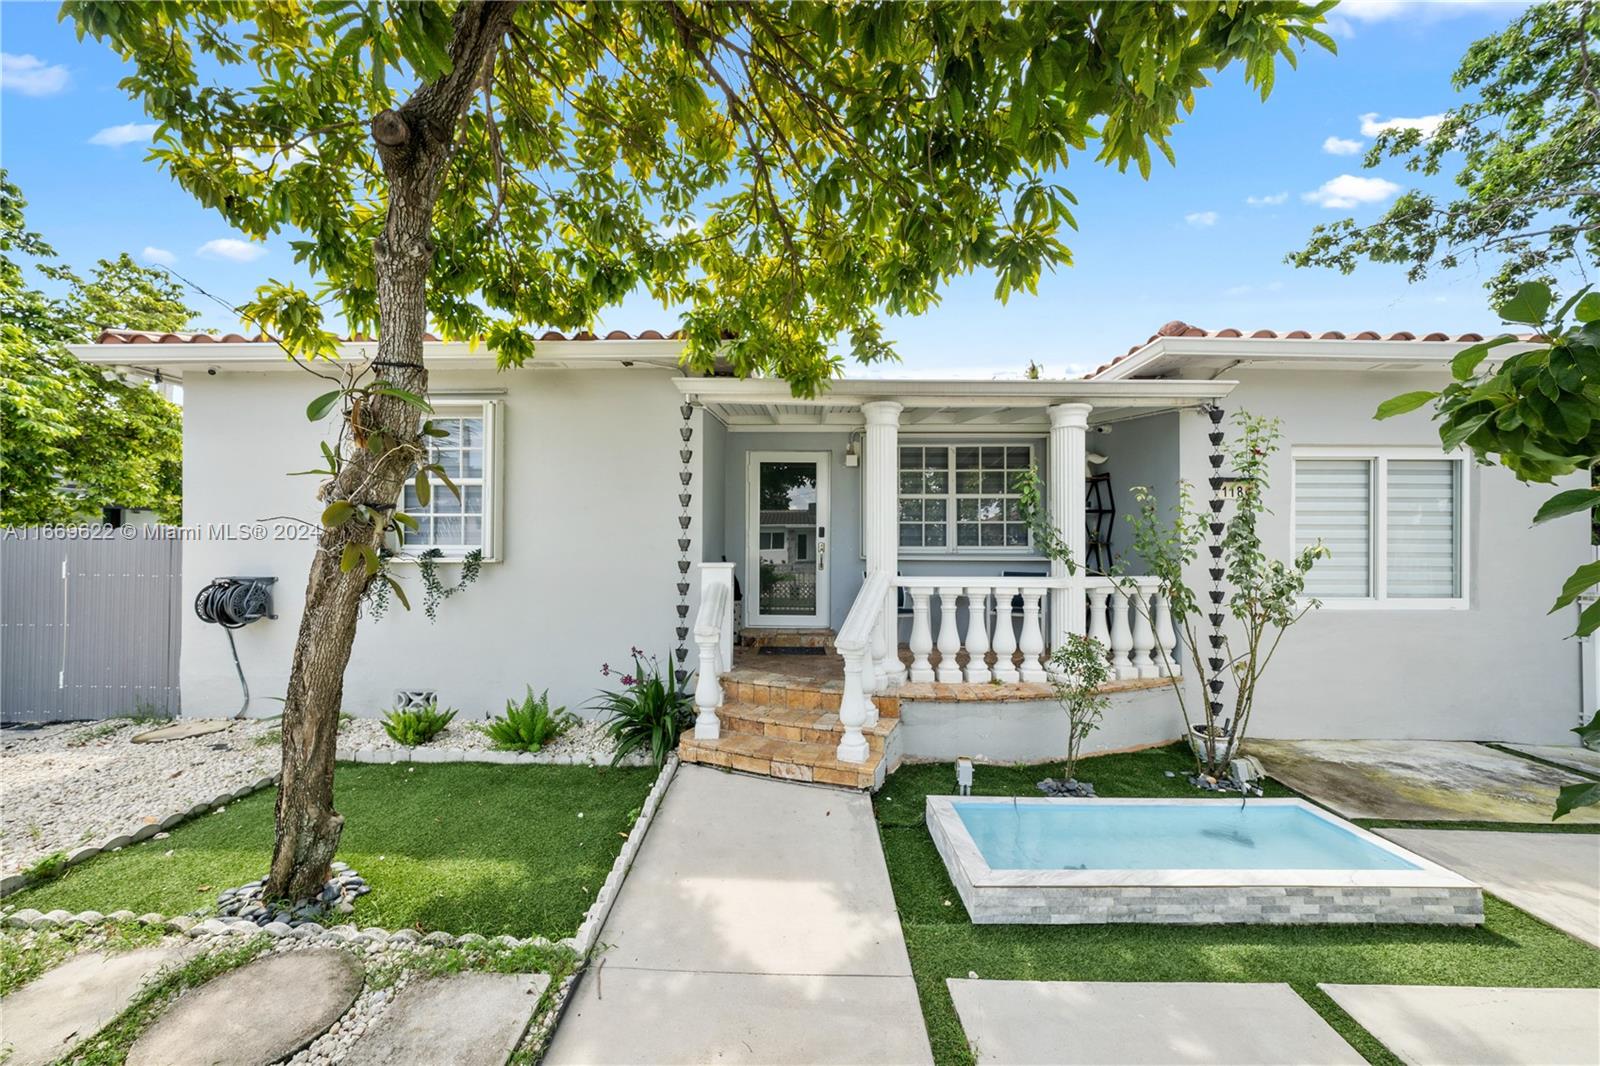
1121 636
1144 635
707 693
853 710
880 653
1005 638
921 635
949 635
977 641
1031 642
1166 638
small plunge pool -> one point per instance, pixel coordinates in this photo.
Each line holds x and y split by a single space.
1276 861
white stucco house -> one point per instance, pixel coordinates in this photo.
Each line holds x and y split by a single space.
873 539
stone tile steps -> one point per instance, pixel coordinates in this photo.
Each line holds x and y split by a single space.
775 690
786 638
791 760
789 723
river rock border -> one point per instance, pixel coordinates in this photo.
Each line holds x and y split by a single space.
117 841
431 754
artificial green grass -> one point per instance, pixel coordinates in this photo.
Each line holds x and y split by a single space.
462 847
1511 948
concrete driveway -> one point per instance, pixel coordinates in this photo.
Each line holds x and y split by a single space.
1419 780
757 926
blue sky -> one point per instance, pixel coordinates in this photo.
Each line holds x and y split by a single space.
1202 241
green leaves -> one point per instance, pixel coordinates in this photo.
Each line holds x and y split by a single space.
785 173
1571 797
318 409
1399 405
337 513
1465 364
1568 502
1529 305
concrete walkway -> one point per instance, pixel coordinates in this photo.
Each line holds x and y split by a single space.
1419 780
1427 1025
1111 1023
757 926
1553 876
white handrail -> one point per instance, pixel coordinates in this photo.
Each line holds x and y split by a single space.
713 636
859 641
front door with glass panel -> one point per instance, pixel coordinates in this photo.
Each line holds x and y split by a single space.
786 497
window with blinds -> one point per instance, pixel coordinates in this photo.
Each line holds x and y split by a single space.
1392 525
1333 504
1424 557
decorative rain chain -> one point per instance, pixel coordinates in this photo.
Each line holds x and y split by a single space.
1217 570
685 476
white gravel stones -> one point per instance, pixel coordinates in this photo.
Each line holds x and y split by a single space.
364 740
73 787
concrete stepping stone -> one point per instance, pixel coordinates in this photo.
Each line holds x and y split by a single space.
194 727
467 1019
1111 1023
1553 876
1572 756
43 1021
260 1013
1445 1026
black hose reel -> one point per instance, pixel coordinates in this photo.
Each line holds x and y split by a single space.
233 603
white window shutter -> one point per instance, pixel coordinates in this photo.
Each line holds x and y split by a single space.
1333 504
1423 538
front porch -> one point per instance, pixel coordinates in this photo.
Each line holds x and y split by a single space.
886 532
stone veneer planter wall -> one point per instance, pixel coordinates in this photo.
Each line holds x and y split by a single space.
1429 895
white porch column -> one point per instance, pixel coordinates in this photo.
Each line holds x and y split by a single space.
880 518
1069 426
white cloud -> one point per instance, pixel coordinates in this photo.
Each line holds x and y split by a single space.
32 76
1201 219
127 133
231 248
1371 127
1341 146
292 156
1245 290
1342 20
159 256
1271 200
1349 190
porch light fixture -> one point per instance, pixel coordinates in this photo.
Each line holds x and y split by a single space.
964 776
852 452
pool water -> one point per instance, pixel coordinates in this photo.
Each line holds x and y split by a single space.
1160 836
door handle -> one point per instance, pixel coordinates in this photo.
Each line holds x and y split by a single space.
822 556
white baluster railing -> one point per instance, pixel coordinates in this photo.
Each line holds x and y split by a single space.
857 643
1129 616
713 637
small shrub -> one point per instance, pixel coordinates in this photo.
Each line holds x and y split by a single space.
649 713
530 725
417 725
48 868
93 733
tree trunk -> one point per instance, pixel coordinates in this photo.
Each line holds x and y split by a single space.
414 144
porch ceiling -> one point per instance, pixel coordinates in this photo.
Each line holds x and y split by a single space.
944 405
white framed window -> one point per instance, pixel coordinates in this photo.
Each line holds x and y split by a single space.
468 454
772 540
963 496
1394 521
